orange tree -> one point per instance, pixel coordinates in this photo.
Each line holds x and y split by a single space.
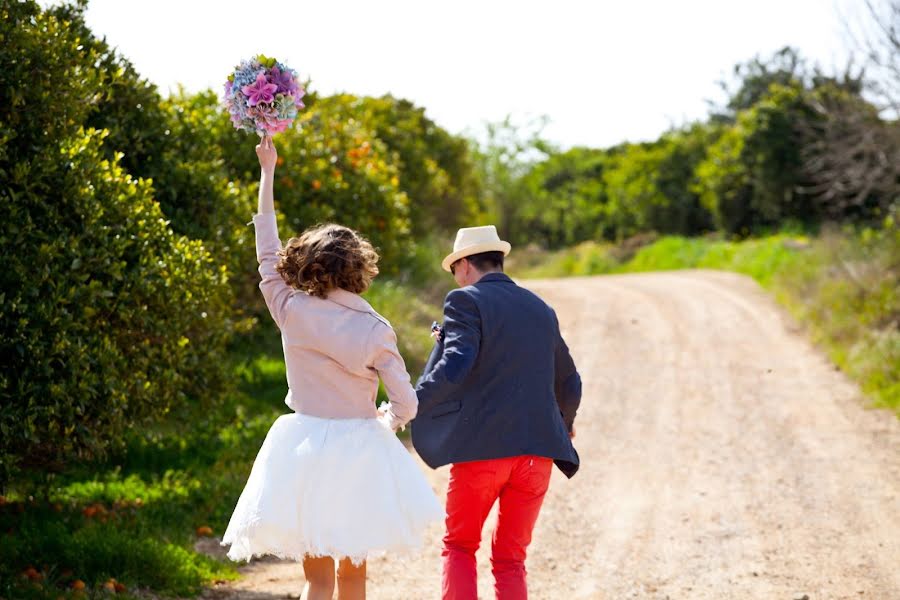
435 168
334 169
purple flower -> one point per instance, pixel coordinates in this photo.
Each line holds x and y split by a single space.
284 80
260 91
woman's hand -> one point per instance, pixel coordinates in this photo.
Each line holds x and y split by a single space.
265 150
267 154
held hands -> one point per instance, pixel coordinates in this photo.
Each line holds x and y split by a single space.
384 417
267 154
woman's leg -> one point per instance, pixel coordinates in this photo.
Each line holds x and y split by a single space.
319 574
351 580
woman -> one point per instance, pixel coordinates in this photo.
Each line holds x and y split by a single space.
331 483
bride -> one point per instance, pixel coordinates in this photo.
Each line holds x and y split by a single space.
331 483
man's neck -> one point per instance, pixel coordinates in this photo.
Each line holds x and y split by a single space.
482 275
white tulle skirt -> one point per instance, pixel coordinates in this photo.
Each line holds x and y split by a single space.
331 487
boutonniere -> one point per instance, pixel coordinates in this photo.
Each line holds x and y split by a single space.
437 332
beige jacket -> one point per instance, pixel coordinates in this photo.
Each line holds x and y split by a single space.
334 349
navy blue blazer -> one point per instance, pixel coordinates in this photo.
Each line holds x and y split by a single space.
500 382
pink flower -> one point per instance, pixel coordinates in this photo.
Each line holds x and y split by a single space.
278 126
266 118
260 91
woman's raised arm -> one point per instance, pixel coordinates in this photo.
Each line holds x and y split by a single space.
276 292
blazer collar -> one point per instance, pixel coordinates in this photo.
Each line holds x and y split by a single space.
500 277
350 300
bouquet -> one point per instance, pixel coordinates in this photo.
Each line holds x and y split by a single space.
263 95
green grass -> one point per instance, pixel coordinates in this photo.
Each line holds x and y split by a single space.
844 287
134 517
588 258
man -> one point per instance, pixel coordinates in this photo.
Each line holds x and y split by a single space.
497 400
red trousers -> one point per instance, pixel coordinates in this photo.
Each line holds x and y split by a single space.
520 483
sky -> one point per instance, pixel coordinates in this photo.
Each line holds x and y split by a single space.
604 72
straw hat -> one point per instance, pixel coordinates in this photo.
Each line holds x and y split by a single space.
474 240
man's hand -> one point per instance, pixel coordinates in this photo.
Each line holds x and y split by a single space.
267 154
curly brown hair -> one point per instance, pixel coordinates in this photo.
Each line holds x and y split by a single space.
326 257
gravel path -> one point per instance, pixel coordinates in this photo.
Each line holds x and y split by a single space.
722 457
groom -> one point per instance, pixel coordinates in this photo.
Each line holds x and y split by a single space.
497 400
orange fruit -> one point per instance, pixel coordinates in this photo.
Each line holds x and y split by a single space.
78 584
316 184
120 587
109 586
204 530
32 573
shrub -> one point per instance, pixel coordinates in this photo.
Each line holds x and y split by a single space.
109 318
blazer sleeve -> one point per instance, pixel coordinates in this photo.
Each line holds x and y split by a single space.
462 340
276 292
387 361
437 352
568 381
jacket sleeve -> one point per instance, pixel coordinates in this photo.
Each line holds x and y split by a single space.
462 340
387 361
437 352
276 292
568 381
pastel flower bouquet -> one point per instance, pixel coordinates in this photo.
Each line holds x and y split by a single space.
263 95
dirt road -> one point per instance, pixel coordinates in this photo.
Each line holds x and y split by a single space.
722 457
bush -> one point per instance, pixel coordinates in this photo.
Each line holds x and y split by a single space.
109 318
